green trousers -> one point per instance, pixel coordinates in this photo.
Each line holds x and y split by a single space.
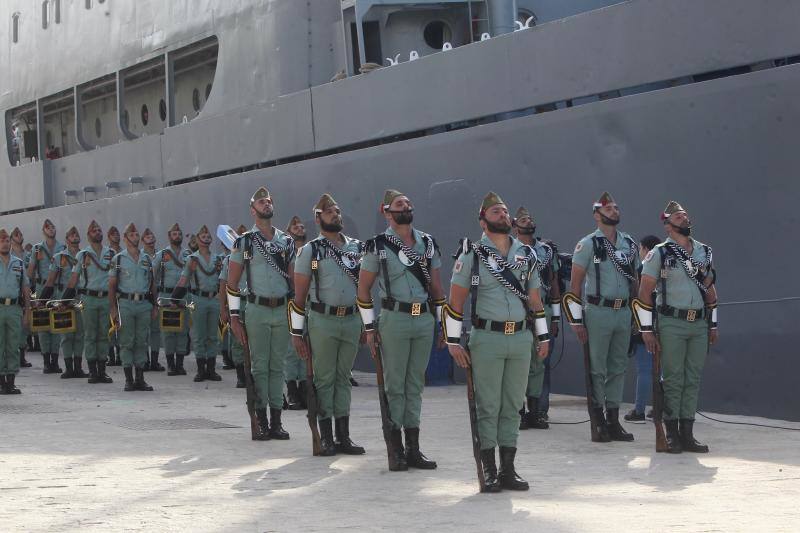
535 374
205 318
49 342
268 335
134 333
10 331
295 368
23 337
72 343
95 328
154 340
406 342
609 338
334 345
684 346
237 351
176 342
500 365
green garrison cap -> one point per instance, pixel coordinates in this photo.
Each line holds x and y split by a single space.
489 200
522 212
15 231
46 222
388 198
325 201
92 225
604 200
203 229
672 208
3 233
295 220
262 192
175 227
72 230
112 229
131 227
147 231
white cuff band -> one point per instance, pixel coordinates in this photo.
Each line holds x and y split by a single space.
576 310
540 328
367 317
556 310
297 321
234 304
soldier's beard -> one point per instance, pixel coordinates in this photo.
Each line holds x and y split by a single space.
685 231
526 230
97 239
608 221
498 227
333 227
176 242
403 218
266 215
205 241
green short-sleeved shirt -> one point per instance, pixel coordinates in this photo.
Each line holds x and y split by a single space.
132 276
682 292
91 276
495 302
613 285
11 276
265 280
43 264
199 279
223 275
336 288
168 265
404 285
63 263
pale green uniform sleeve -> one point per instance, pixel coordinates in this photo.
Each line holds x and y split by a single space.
583 253
651 266
302 264
370 262
462 270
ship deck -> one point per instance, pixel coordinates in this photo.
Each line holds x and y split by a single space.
93 458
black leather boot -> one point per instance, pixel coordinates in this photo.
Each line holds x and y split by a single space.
263 425
69 372
491 481
535 418
241 382
112 355
211 372
523 419
172 370
227 362
23 363
326 437
343 443
688 442
399 452
47 366
673 437
414 457
54 363
615 429
9 387
93 377
276 430
602 426
302 394
128 379
3 384
101 373
140 383
77 368
509 479
201 370
293 396
179 364
155 366
36 347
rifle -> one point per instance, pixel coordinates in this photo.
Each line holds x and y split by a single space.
250 387
313 406
658 401
386 417
473 426
588 373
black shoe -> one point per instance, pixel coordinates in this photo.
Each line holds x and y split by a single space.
23 363
101 373
602 426
93 377
140 384
8 386
112 356
491 481
509 479
673 437
398 452
293 396
69 372
146 366
129 387
634 416
172 369
3 384
155 366
302 394
47 366
227 362
54 363
523 419
276 430
414 457
211 372
535 418
343 443
263 425
615 429
241 381
688 442
77 368
201 370
179 364
328 448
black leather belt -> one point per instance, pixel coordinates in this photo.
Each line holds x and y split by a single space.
9 301
509 327
136 297
689 315
96 294
619 303
266 302
414 309
203 294
342 310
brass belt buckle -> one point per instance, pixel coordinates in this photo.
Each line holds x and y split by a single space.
341 310
272 302
691 315
618 303
416 309
509 328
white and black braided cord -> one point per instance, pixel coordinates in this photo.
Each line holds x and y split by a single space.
619 264
484 253
685 260
336 254
413 256
267 249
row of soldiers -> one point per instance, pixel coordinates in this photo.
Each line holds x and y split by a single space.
514 305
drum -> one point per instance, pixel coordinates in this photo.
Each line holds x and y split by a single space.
170 320
63 321
39 320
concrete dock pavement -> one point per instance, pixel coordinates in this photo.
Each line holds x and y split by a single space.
75 456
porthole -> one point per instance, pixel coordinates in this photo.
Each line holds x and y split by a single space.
437 33
145 115
208 91
196 100
98 127
15 28
162 110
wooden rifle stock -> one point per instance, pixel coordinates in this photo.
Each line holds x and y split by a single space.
313 406
658 401
250 387
386 418
473 426
588 374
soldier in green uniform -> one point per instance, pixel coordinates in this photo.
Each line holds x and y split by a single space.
500 272
113 346
14 304
223 326
38 269
154 340
89 280
236 350
325 280
546 268
294 371
605 268
57 280
168 265
682 272
265 255
406 262
203 268
130 293
18 251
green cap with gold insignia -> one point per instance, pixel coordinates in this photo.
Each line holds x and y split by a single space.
130 228
295 220
46 222
325 201
73 231
16 231
604 200
112 229
175 227
521 213
388 198
203 229
262 192
92 226
672 208
490 200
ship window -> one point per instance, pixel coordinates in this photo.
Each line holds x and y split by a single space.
15 28
88 4
523 15
145 115
57 11
126 118
208 91
45 13
98 127
196 100
162 110
437 33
